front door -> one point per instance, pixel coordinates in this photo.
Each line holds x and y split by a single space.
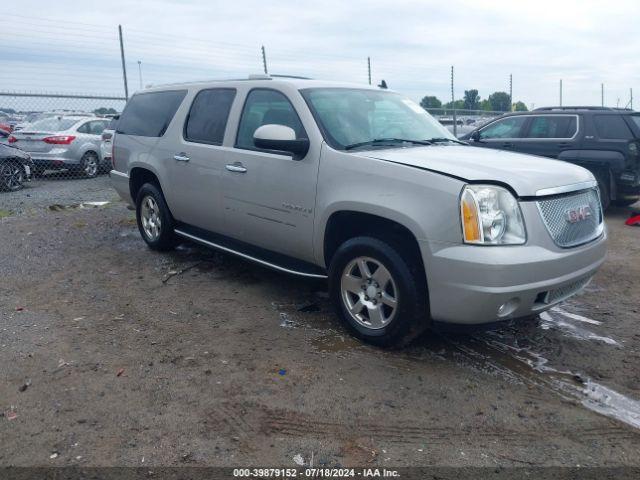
269 198
503 134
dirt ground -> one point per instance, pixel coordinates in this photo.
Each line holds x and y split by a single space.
112 354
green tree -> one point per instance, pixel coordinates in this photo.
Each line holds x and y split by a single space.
458 105
471 99
500 101
430 102
520 107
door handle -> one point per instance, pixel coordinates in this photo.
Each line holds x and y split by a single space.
181 157
507 144
235 167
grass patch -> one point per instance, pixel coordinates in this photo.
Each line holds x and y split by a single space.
4 213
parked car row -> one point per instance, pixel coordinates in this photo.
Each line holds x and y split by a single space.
78 143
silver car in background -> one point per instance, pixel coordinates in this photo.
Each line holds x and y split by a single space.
107 142
71 143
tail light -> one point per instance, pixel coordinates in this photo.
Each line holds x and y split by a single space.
59 139
106 136
12 139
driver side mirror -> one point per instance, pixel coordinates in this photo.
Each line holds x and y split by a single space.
475 136
281 138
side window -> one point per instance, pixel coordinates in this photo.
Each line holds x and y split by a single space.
264 107
149 114
552 126
208 116
85 128
96 128
510 127
612 127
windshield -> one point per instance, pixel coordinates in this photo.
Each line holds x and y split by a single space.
636 120
53 124
349 117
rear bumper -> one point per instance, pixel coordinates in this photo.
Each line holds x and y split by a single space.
120 182
54 162
469 284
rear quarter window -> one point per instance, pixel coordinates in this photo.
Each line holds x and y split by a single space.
612 127
149 114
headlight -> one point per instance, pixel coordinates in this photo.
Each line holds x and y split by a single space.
491 216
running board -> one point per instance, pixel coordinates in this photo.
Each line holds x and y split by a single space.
263 257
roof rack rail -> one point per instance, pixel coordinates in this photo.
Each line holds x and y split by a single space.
541 109
297 77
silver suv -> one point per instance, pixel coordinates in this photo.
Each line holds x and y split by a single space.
362 187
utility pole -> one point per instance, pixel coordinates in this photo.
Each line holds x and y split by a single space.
453 104
369 68
560 92
264 60
602 93
124 67
631 98
140 72
511 92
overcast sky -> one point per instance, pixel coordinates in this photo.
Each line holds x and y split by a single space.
72 46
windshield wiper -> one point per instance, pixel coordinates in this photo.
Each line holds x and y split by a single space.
390 141
445 139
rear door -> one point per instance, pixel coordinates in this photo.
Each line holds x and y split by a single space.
195 159
550 135
503 134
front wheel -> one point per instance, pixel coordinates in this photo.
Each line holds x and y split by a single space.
11 176
379 294
154 218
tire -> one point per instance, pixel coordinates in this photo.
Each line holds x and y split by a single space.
626 202
11 176
375 320
154 219
90 164
605 191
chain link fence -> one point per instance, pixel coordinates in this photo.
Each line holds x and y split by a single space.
66 135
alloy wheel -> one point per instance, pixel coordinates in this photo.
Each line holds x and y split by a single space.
369 292
150 217
11 176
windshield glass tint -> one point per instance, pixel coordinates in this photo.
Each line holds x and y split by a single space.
351 116
53 124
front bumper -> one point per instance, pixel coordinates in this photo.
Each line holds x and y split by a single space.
477 284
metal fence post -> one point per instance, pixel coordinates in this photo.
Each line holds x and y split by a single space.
124 67
453 105
264 60
369 68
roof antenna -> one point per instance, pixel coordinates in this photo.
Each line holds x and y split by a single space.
383 84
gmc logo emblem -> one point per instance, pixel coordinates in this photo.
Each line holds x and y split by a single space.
578 214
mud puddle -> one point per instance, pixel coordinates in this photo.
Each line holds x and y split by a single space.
514 357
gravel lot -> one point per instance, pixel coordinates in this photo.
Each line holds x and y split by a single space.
113 354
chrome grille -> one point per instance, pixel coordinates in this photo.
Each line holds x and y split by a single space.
559 214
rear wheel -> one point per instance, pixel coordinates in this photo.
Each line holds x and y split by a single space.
89 164
11 176
154 218
378 295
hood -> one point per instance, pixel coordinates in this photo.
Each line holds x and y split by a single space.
525 174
